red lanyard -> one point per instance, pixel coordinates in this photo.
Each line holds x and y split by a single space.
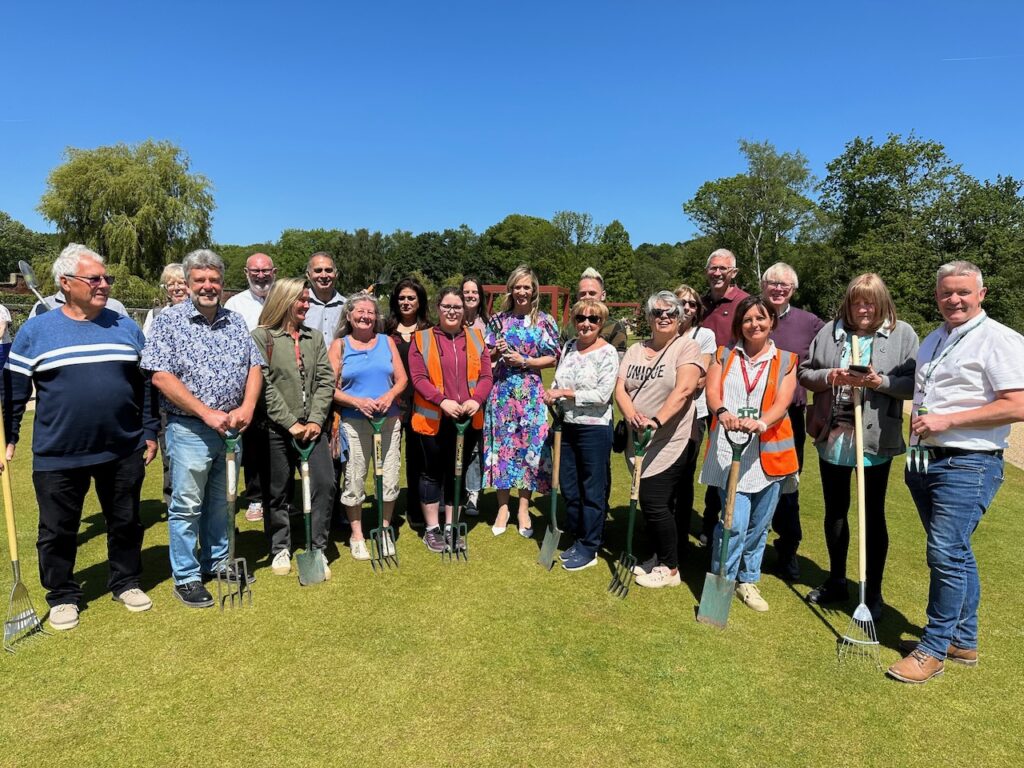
746 381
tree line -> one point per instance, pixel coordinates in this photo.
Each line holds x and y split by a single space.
899 207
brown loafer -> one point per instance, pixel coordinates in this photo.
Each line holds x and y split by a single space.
918 667
968 657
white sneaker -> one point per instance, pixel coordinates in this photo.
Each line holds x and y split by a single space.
327 568
388 548
659 577
282 563
751 597
64 616
255 512
135 600
359 550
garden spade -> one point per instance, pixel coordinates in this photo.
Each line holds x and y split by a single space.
719 590
382 538
310 563
553 534
455 534
233 573
22 621
622 571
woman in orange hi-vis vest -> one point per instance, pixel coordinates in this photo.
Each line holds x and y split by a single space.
750 386
451 377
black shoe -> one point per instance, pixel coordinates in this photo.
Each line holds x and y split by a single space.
829 592
875 605
787 566
193 594
232 576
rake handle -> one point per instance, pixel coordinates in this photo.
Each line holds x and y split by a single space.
5 481
858 432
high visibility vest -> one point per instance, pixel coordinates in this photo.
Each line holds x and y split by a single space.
777 447
426 417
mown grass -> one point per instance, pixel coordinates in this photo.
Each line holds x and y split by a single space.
500 663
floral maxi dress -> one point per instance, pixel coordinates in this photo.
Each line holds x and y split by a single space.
516 419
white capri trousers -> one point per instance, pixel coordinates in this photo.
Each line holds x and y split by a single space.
360 458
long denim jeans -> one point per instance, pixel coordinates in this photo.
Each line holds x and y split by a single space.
583 478
751 519
198 513
951 499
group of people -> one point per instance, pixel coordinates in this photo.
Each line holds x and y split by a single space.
301 371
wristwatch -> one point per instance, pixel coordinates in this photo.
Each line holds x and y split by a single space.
721 410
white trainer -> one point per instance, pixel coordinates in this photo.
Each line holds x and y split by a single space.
359 550
282 564
751 596
661 576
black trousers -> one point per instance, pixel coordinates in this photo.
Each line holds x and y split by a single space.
786 520
683 503
413 473
60 494
254 457
835 483
277 484
657 500
437 462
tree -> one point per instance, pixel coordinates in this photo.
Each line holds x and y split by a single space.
18 242
519 239
617 263
755 214
137 205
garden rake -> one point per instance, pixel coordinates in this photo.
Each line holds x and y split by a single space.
310 564
455 545
22 620
860 640
553 534
382 538
622 570
233 573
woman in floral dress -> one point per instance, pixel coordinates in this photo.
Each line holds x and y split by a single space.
523 341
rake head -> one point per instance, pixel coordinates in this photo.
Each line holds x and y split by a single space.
382 548
233 583
622 575
22 620
455 543
860 642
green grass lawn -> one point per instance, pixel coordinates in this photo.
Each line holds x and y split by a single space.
500 662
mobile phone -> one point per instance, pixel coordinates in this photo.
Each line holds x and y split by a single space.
859 368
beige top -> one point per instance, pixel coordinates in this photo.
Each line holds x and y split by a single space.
670 441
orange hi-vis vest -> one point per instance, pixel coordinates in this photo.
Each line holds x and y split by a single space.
777 447
426 417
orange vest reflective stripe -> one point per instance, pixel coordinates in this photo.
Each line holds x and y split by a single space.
777 447
426 417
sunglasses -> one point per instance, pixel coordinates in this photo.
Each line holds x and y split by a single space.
94 281
658 312
688 303
592 319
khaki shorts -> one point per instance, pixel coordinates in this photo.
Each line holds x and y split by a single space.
360 458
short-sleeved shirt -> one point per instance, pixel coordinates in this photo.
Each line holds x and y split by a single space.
670 440
323 316
5 317
718 313
964 368
706 340
212 360
248 305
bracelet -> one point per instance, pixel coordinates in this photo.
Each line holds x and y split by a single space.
657 421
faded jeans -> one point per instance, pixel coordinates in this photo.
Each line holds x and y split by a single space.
751 518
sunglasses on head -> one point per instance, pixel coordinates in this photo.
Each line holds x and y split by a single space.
658 312
592 319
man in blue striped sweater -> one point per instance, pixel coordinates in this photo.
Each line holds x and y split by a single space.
94 421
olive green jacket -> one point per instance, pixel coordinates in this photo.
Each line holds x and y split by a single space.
282 400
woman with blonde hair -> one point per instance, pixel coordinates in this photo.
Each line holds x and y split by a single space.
523 341
293 409
887 350
172 280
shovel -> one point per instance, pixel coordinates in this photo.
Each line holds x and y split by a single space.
22 619
310 563
622 571
718 591
382 538
233 573
33 285
455 534
553 534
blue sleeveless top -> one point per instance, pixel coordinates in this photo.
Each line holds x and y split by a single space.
367 373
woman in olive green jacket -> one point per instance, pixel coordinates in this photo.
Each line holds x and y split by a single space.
294 409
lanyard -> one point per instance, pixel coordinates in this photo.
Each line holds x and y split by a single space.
301 368
746 380
930 371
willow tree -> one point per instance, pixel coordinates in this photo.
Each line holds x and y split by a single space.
138 205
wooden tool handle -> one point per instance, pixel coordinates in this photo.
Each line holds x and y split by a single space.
858 433
556 459
5 481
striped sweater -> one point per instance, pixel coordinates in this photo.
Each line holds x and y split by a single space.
93 404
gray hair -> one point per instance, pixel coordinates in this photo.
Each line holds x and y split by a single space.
662 297
171 272
203 258
345 323
67 262
592 274
959 269
723 253
779 271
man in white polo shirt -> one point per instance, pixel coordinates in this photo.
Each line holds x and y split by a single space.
969 390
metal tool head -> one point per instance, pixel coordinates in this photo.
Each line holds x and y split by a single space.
22 620
382 548
455 547
715 600
33 285
622 575
860 641
310 565
233 588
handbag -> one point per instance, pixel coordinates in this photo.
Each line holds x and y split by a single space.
620 434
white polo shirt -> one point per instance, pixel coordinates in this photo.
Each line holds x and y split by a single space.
248 306
963 369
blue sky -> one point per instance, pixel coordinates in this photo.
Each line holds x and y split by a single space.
424 116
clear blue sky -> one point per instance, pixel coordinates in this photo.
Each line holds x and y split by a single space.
423 116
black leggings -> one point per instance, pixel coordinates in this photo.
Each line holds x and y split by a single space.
437 471
835 483
657 500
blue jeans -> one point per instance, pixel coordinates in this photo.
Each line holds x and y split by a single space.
951 499
199 508
583 478
750 521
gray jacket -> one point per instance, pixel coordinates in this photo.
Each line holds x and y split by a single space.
893 356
